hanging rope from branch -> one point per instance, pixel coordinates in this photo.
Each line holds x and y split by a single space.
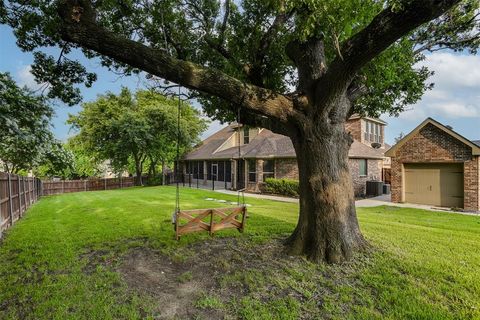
238 161
177 158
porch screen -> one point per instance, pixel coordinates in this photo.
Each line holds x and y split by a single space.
221 171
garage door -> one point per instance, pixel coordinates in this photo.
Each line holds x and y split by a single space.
434 184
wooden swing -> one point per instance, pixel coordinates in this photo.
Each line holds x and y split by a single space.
210 220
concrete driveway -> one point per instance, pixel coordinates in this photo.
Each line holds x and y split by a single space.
383 200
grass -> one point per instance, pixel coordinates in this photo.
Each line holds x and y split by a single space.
423 265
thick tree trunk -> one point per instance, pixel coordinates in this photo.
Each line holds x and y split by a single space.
163 172
327 228
138 175
138 169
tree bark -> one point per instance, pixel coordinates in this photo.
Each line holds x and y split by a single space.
327 228
138 170
163 172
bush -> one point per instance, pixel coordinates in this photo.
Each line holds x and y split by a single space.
154 180
285 187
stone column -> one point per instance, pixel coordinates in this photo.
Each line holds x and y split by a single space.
259 174
259 171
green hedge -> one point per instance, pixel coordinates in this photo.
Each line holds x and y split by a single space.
285 187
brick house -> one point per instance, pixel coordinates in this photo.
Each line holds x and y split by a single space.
434 165
264 154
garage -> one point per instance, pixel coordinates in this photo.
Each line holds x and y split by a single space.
434 165
438 184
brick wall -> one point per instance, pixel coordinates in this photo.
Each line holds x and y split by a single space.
432 144
354 127
471 183
286 169
374 172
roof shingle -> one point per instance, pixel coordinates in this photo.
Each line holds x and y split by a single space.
265 145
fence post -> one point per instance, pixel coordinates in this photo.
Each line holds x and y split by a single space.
63 186
34 182
105 182
29 192
10 207
24 193
19 198
121 185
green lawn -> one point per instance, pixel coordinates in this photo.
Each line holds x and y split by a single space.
64 260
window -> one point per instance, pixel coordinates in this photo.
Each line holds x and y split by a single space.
246 135
362 167
268 169
373 132
252 170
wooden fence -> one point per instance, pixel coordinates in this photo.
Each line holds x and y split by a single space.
17 194
67 186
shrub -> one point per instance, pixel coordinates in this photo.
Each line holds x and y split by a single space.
285 187
154 180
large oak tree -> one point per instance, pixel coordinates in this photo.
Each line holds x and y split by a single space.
299 68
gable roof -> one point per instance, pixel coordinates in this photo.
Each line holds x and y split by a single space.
266 144
475 145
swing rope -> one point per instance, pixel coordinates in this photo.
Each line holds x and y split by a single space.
238 161
177 195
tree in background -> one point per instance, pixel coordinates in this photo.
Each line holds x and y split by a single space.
135 129
68 161
25 130
56 161
84 163
299 68
161 150
400 136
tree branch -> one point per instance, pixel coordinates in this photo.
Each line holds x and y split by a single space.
256 70
223 28
79 26
388 26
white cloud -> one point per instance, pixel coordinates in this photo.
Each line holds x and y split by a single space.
455 110
454 70
25 78
454 100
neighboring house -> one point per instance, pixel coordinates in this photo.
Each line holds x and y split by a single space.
264 154
434 165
